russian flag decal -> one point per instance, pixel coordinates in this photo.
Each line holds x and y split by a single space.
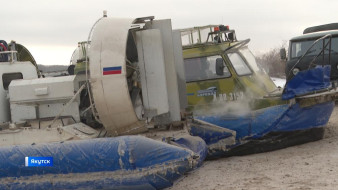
112 70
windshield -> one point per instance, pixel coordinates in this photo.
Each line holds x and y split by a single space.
239 64
250 58
243 61
299 48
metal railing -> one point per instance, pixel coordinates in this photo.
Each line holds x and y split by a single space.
12 56
321 52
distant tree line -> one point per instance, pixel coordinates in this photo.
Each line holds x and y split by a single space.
52 68
272 63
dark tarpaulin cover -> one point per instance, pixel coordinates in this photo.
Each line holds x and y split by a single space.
308 81
257 124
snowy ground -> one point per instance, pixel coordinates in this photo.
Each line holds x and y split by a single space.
278 81
308 166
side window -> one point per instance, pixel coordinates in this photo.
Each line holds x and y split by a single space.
203 68
239 64
334 46
8 77
299 48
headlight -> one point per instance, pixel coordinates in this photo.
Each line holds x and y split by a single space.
295 71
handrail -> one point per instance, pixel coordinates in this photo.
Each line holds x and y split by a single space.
11 53
324 47
323 51
7 52
240 44
217 33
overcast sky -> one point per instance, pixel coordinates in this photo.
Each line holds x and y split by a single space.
50 29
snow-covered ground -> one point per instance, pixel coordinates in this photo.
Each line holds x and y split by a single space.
279 81
309 166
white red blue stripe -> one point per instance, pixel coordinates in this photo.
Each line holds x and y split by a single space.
112 70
